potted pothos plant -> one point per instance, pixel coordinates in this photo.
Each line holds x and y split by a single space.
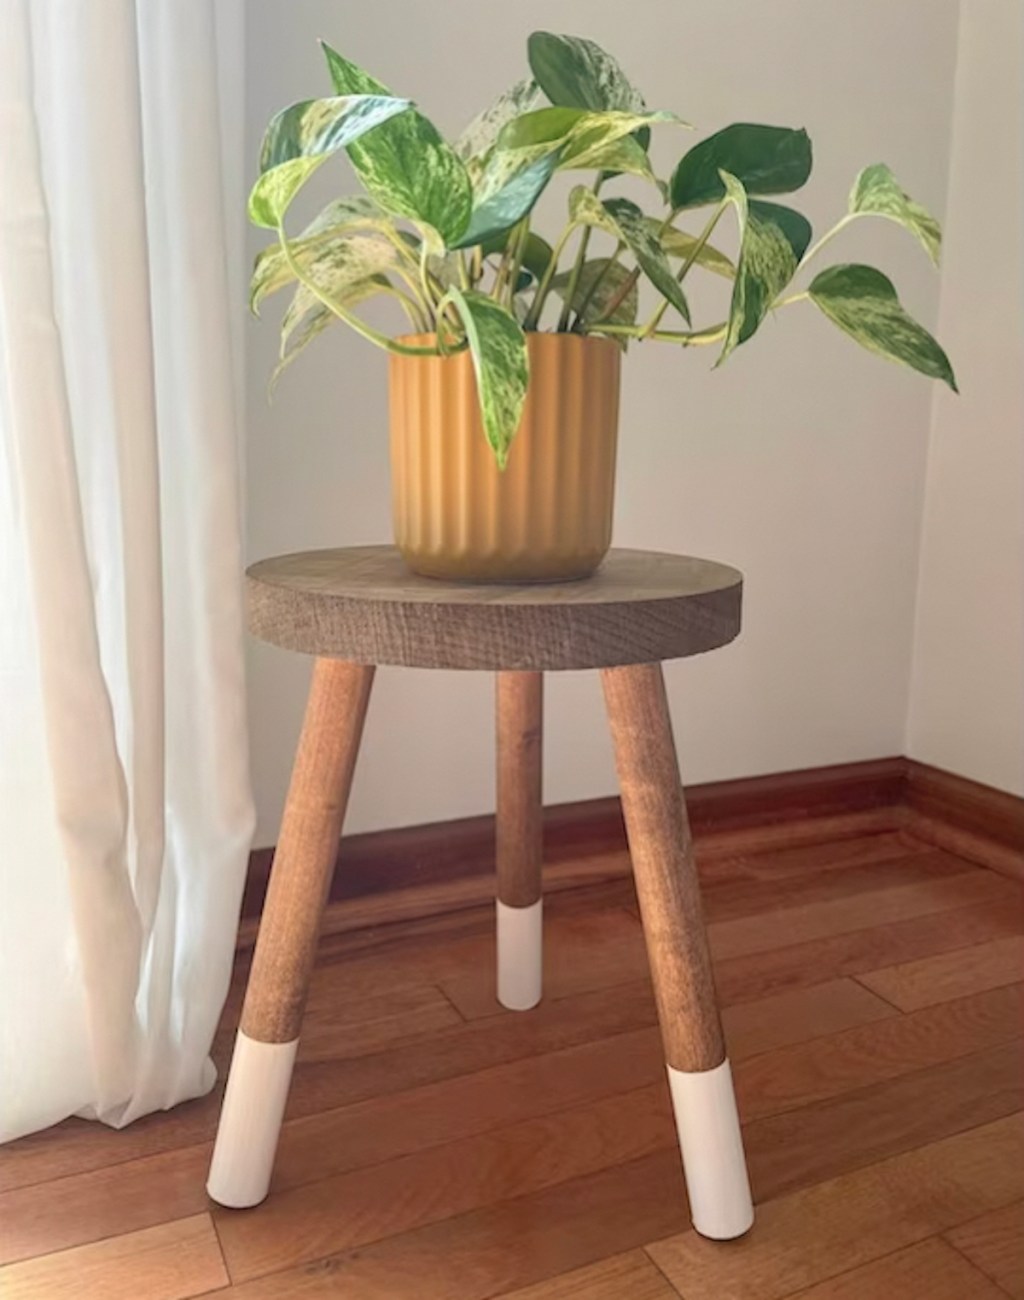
504 380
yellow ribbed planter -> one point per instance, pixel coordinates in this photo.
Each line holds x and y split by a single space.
548 516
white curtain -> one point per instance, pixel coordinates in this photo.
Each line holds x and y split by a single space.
124 794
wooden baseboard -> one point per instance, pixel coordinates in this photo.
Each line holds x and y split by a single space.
415 871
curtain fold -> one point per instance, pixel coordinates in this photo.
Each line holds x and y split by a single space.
123 770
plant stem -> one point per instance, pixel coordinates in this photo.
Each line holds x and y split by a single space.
463 271
793 297
520 235
360 327
634 275
815 249
688 261
577 266
533 315
687 338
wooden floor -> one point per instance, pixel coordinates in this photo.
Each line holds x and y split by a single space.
439 1148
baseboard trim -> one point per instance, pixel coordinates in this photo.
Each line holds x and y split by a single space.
417 871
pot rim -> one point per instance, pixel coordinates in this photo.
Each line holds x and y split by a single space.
578 340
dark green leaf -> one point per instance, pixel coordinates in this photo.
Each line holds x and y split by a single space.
508 203
405 164
764 159
536 255
498 348
765 266
863 303
577 73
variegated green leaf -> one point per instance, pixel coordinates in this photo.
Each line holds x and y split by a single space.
764 159
622 156
576 72
864 304
506 193
677 243
498 348
795 227
485 128
271 270
300 138
627 223
877 192
307 318
405 164
600 282
765 266
582 134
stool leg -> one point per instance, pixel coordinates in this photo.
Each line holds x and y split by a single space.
275 998
520 697
670 907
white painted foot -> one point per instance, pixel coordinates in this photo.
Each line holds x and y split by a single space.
520 955
712 1147
250 1121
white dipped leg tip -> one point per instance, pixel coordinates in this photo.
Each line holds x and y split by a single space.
520 955
250 1121
712 1149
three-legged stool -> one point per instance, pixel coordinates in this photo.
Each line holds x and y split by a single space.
360 607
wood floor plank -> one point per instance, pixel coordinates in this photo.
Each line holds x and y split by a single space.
173 1261
825 1139
72 1211
385 1127
994 1243
762 932
936 979
798 1015
929 1270
871 1054
350 1210
811 1235
725 900
740 979
512 1244
631 1276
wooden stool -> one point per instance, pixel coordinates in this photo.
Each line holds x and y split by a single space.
360 607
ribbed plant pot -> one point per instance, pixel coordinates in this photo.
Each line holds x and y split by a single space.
546 517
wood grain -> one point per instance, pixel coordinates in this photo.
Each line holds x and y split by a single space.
313 816
871 1054
973 819
949 975
519 732
930 1270
343 1212
664 866
994 1243
824 1139
172 1261
631 1276
817 1232
362 604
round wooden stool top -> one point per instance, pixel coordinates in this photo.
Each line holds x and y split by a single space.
363 604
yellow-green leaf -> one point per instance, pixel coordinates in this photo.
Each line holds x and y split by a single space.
498 348
301 137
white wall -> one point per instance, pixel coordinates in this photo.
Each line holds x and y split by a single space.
967 697
801 461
